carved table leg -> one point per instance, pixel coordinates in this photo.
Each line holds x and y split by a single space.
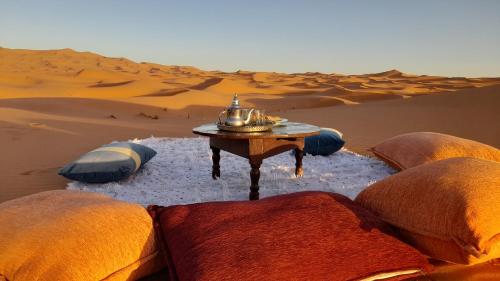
254 177
216 162
299 153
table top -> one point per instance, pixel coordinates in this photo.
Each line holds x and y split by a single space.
284 130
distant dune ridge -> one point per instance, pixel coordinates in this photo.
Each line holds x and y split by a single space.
68 73
57 104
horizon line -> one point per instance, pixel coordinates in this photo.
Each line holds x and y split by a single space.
247 70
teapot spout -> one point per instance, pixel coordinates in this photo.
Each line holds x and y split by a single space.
248 117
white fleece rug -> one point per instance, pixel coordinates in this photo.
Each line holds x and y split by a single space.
181 173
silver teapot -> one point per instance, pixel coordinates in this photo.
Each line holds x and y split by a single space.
235 115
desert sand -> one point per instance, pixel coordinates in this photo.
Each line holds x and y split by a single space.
58 104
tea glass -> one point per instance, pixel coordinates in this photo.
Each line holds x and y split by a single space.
259 117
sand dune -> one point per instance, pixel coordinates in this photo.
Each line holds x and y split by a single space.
57 104
165 93
102 85
63 73
207 83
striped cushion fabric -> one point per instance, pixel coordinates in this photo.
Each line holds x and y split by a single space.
111 162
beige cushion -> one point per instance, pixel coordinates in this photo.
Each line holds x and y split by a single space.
73 235
448 209
413 149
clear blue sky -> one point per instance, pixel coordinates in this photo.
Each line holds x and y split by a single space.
452 38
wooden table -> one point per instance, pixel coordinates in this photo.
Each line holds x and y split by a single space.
258 146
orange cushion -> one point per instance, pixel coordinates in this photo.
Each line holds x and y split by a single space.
413 149
300 236
74 235
448 209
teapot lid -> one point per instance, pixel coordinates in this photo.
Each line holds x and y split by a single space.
236 102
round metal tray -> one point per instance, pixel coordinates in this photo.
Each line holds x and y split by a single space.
246 129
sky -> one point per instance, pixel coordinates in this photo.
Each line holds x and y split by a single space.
449 38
